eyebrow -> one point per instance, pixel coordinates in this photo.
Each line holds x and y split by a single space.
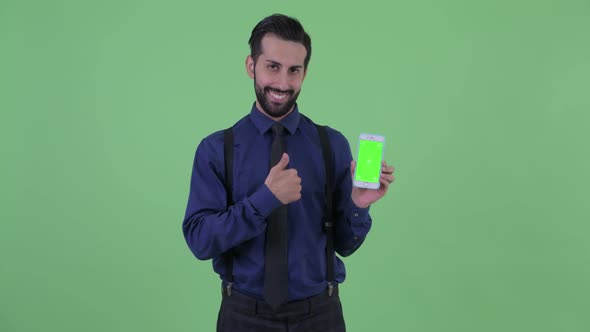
279 64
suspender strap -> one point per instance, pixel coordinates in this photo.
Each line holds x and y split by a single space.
228 151
329 219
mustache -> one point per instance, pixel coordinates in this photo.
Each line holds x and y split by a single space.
267 89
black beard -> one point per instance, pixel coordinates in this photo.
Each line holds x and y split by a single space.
275 111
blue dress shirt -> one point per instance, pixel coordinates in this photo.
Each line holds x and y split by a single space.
211 228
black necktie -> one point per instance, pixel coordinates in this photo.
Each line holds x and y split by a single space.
276 272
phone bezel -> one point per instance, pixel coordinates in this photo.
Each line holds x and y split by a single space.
368 137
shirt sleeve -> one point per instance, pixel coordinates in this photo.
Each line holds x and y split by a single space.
210 227
352 224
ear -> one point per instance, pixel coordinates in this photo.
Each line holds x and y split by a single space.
250 66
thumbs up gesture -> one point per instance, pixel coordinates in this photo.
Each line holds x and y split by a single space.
284 182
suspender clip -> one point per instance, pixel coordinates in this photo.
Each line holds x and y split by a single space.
330 288
228 288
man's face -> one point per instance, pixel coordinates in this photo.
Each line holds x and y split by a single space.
278 75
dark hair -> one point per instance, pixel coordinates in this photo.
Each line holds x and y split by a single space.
286 27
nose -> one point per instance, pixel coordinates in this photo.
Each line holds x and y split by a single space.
282 81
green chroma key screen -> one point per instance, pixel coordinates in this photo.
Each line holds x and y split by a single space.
369 161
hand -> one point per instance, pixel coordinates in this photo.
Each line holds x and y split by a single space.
363 197
284 183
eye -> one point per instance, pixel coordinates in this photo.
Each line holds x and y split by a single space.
294 70
273 67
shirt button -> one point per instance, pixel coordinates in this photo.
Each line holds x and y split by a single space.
356 214
356 238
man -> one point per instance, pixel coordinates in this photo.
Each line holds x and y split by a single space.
266 236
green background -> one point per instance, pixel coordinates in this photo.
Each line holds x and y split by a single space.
484 105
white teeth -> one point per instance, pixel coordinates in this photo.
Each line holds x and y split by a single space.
277 95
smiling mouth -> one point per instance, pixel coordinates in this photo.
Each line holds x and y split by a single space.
278 95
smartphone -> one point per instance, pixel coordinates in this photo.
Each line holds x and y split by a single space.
368 161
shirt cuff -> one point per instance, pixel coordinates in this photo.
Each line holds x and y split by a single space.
264 201
359 216
360 223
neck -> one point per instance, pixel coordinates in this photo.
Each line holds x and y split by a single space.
274 118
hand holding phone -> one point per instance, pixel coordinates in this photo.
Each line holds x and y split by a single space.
368 164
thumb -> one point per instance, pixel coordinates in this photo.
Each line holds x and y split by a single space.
282 164
352 167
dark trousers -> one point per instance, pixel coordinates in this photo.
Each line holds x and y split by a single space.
241 313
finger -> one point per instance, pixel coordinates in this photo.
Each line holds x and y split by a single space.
352 167
283 162
387 169
384 184
293 172
387 177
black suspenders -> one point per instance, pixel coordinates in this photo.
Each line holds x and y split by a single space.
328 224
228 152
328 214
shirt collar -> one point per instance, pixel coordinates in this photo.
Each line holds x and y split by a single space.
263 122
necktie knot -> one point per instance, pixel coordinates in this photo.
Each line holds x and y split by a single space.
278 129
